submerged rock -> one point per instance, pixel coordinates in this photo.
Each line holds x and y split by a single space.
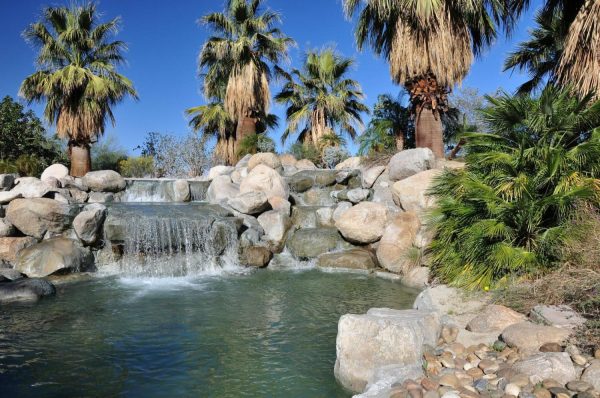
360 259
53 255
25 290
308 243
34 217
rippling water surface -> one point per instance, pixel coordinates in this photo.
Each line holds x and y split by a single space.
264 334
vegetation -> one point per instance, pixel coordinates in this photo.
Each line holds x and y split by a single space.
256 143
137 167
506 214
306 151
76 76
107 154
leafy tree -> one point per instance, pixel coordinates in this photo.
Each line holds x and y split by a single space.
506 213
107 154
76 76
137 167
321 99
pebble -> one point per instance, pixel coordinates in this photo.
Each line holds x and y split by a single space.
488 366
579 386
579 360
475 373
451 394
512 389
429 384
551 347
551 383
481 385
431 394
559 392
450 380
541 392
447 362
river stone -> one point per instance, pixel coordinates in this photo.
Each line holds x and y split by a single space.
26 289
101 197
560 316
352 259
30 187
181 191
304 217
6 228
34 217
381 337
265 179
9 196
398 237
363 223
494 318
325 178
221 189
411 193
529 337
357 195
56 170
350 163
250 202
104 181
219 170
410 162
371 175
10 247
52 255
592 374
309 243
7 181
267 159
275 225
88 224
547 365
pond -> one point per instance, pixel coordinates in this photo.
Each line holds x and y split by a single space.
260 334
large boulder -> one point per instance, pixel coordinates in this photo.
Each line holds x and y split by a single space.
547 365
221 189
360 259
592 374
264 179
266 158
350 163
10 247
494 318
104 181
88 224
301 181
309 243
256 256
411 193
363 223
243 162
560 316
410 162
250 202
447 300
275 224
53 255
287 159
219 170
529 337
340 209
305 164
181 191
34 217
25 290
398 237
371 175
381 337
31 187
101 197
56 170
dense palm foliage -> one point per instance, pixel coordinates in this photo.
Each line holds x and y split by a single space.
321 99
237 65
390 128
77 76
430 46
506 213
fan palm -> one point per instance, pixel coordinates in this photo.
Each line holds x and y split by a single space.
506 213
237 65
430 45
321 98
77 76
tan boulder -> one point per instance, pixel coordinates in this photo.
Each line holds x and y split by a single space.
494 318
35 216
10 247
266 158
398 237
53 255
264 179
287 159
410 193
529 337
305 164
363 223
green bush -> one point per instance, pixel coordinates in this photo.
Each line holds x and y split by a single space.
507 213
137 167
256 143
107 154
306 151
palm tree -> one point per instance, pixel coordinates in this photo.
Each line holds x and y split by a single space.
237 65
321 98
213 120
430 45
76 76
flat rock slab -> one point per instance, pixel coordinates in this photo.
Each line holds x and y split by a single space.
529 337
359 259
547 365
560 316
494 318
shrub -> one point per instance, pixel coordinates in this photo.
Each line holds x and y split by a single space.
137 167
107 154
334 155
506 214
255 143
306 151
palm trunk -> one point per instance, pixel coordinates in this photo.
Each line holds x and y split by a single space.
81 160
455 150
399 141
246 126
428 131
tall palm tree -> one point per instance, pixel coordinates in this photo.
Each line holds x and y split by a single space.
238 62
321 98
76 76
430 45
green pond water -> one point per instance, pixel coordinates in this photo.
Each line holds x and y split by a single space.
263 334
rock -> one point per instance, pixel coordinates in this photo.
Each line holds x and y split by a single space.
579 386
287 159
6 228
386 379
325 217
343 176
529 337
53 255
7 181
309 243
381 337
73 183
9 196
410 193
512 389
325 178
398 237
181 191
243 162
350 163
101 197
410 162
547 365
265 179
305 164
276 225
560 316
26 290
267 159
88 224
219 170
9 274
371 175
221 189
592 374
34 217
249 202
363 223
352 259
78 196
30 187
358 195
280 204
551 347
257 256
104 181
340 209
238 175
56 170
301 182
417 277
9 247
494 318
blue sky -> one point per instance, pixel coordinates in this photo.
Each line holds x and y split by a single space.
164 40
